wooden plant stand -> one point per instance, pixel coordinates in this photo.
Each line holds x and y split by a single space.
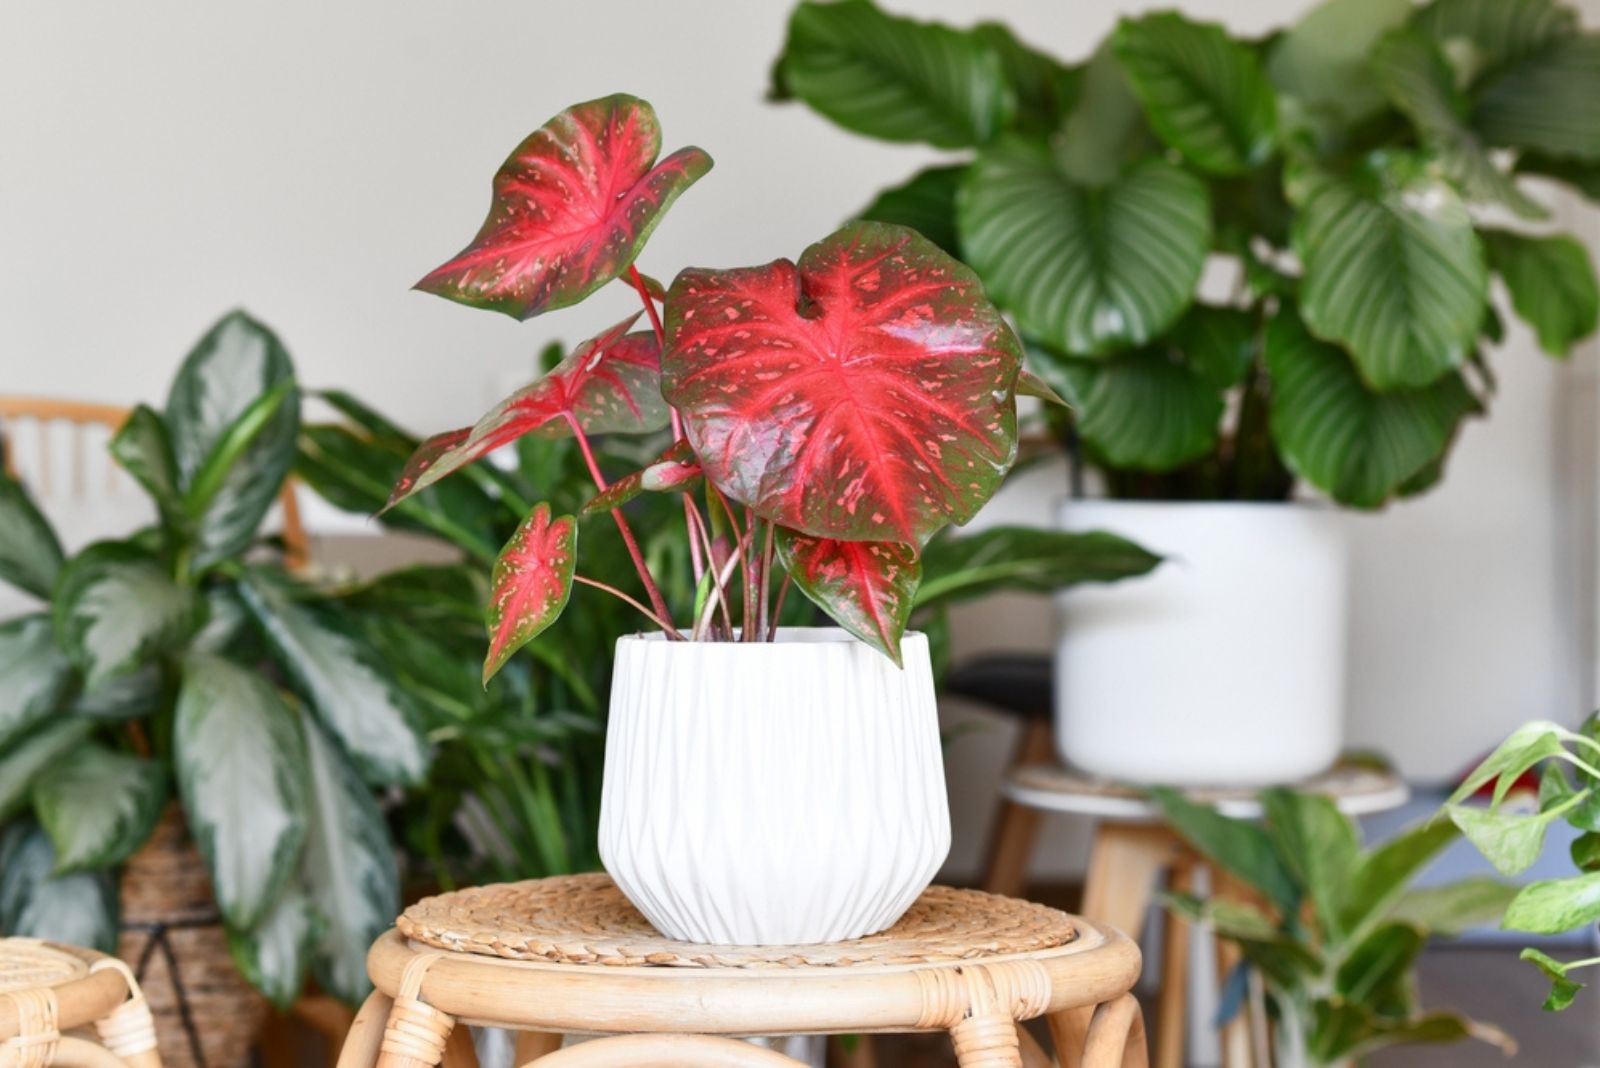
47 990
570 955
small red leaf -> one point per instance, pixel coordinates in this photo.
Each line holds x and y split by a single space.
573 205
611 384
532 581
865 394
866 586
676 468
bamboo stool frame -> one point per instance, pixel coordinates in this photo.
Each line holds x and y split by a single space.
101 991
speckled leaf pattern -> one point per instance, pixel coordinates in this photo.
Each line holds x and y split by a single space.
865 393
611 384
573 206
531 583
675 469
30 556
867 587
116 610
98 806
34 674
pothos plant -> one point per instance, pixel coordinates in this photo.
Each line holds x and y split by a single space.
1354 181
185 664
1329 931
828 417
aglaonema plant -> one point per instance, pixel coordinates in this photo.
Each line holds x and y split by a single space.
827 417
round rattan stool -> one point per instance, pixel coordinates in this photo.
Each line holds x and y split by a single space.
47 990
570 955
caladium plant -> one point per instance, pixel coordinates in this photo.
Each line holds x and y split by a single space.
829 415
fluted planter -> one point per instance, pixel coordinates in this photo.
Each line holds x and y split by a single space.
772 793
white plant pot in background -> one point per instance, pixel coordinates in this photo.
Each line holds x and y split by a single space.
772 793
1224 666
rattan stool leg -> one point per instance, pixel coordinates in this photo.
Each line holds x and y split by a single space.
366 1034
1116 1036
987 1040
1069 1030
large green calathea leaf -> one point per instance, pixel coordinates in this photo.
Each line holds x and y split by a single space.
1105 130
1045 89
98 806
958 568
1393 269
867 587
116 609
1202 91
1086 270
30 556
274 954
1356 445
531 584
232 417
79 909
1552 284
1149 410
342 678
894 78
1418 79
349 871
240 759
23 760
34 675
1321 61
926 203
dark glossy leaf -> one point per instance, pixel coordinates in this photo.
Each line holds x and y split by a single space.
1320 846
78 910
1150 410
1025 560
531 583
1552 284
1562 989
272 955
864 393
34 675
1554 906
926 204
1219 342
343 680
116 609
231 369
1358 446
1043 87
867 587
1485 36
1547 101
349 870
30 556
98 806
1087 270
1238 847
894 78
573 206
1202 91
239 759
1378 963
610 384
1393 271
1321 61
22 760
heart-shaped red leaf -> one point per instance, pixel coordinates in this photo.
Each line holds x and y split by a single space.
573 205
866 586
611 384
675 469
532 581
865 394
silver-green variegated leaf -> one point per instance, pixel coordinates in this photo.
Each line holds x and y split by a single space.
98 806
117 610
273 955
1321 61
143 448
78 909
240 759
24 759
1356 445
30 556
343 679
1393 270
134 695
1085 269
349 869
1552 285
34 675
230 370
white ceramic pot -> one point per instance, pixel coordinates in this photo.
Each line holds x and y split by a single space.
772 793
1224 666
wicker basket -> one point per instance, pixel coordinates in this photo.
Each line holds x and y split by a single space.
172 935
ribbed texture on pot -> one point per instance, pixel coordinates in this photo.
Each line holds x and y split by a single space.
778 793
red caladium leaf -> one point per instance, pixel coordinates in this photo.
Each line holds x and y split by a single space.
573 205
532 581
866 586
675 469
864 394
1031 385
610 384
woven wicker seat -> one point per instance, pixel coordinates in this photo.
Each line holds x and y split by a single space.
47 990
570 955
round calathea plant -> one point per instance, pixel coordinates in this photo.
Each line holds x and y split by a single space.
826 417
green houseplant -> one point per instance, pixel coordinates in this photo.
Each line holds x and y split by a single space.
183 669
1253 266
1331 930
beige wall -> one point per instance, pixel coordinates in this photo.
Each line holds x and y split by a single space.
164 161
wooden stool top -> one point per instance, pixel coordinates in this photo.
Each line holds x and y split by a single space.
1358 789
